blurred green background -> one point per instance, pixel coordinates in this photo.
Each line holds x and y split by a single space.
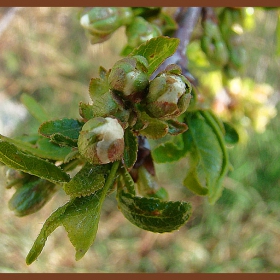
44 52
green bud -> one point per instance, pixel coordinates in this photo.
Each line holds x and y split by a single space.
101 140
31 197
101 22
140 31
169 94
129 79
105 20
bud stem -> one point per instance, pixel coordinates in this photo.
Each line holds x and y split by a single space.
110 180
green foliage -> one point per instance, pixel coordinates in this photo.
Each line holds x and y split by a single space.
103 150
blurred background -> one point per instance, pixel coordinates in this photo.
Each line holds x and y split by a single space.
44 52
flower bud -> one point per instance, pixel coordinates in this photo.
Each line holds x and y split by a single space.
169 94
140 31
31 197
129 78
101 22
101 140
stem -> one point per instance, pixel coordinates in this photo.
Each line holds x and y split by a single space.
110 179
187 21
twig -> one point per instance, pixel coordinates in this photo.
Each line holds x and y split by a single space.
187 20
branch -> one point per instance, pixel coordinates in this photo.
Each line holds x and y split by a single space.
187 20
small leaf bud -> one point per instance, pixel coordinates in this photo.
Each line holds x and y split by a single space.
101 140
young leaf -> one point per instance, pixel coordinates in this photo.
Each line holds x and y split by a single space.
80 218
156 51
42 148
88 180
31 197
103 102
154 128
126 181
62 132
152 214
86 111
130 149
15 158
175 127
34 108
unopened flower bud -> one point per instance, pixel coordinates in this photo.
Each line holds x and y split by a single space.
31 197
101 22
101 140
140 31
129 78
169 94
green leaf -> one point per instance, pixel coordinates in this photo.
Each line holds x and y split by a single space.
130 149
103 102
231 135
156 51
209 152
167 152
42 148
80 218
193 183
15 158
152 214
31 197
62 132
154 128
88 180
97 87
34 108
170 152
125 181
86 111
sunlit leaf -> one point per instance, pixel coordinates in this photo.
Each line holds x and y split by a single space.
88 180
15 158
156 51
63 132
80 218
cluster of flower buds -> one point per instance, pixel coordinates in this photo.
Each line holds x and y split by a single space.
101 140
101 22
169 94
